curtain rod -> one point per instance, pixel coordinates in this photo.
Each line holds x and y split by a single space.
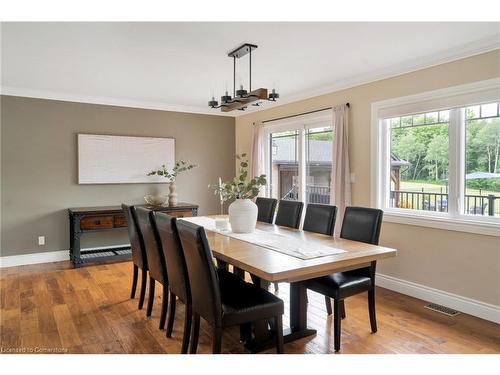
301 114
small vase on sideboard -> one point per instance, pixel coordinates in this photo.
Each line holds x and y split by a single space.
172 196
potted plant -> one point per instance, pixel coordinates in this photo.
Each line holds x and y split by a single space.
242 211
171 176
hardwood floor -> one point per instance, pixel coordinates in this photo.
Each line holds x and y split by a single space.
53 308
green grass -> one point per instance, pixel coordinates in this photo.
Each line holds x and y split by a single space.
430 187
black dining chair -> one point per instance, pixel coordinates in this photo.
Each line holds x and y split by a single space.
178 280
320 218
363 225
289 213
266 208
139 257
220 297
156 262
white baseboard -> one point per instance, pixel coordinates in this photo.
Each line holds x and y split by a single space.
463 304
45 257
35 258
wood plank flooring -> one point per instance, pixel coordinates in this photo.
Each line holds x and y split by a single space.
53 308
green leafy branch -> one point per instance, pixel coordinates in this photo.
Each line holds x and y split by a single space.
180 166
239 187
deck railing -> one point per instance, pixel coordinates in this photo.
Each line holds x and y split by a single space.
315 194
487 205
474 204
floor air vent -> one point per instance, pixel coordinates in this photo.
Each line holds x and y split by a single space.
442 309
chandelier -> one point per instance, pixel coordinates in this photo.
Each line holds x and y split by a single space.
242 98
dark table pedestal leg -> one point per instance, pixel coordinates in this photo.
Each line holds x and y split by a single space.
264 338
298 313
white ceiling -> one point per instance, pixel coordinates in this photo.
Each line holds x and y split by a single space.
176 66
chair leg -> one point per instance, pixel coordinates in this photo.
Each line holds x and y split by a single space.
144 281
245 332
278 323
336 324
151 296
164 306
171 314
222 265
371 309
342 309
188 316
217 340
328 303
239 272
195 334
276 287
134 282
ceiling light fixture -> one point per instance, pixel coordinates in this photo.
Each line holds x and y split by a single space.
241 97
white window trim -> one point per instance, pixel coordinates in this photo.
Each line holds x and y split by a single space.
452 97
301 123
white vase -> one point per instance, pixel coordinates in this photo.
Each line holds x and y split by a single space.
172 197
243 216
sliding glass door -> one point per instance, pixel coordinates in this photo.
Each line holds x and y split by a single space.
299 161
318 164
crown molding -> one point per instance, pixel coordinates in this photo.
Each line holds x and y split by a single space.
458 53
468 50
103 100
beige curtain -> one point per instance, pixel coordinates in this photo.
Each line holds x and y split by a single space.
340 193
257 155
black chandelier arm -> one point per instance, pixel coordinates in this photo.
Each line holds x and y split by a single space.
250 70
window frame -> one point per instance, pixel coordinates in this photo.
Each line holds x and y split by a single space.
301 124
455 99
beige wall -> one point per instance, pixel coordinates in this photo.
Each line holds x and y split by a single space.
39 165
460 263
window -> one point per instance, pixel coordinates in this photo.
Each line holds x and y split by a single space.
419 152
482 160
299 159
437 158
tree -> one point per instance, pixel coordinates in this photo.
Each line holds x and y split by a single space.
410 149
487 145
437 154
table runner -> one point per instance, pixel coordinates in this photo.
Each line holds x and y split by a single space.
279 242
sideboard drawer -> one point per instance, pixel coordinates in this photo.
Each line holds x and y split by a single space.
97 222
119 221
187 213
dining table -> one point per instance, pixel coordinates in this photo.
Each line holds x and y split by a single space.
280 254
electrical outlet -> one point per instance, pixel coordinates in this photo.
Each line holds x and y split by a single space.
353 178
41 240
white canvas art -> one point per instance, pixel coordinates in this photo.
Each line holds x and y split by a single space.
109 159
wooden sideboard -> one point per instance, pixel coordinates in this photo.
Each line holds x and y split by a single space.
99 219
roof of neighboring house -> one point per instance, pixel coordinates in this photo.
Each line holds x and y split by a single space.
398 162
319 151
